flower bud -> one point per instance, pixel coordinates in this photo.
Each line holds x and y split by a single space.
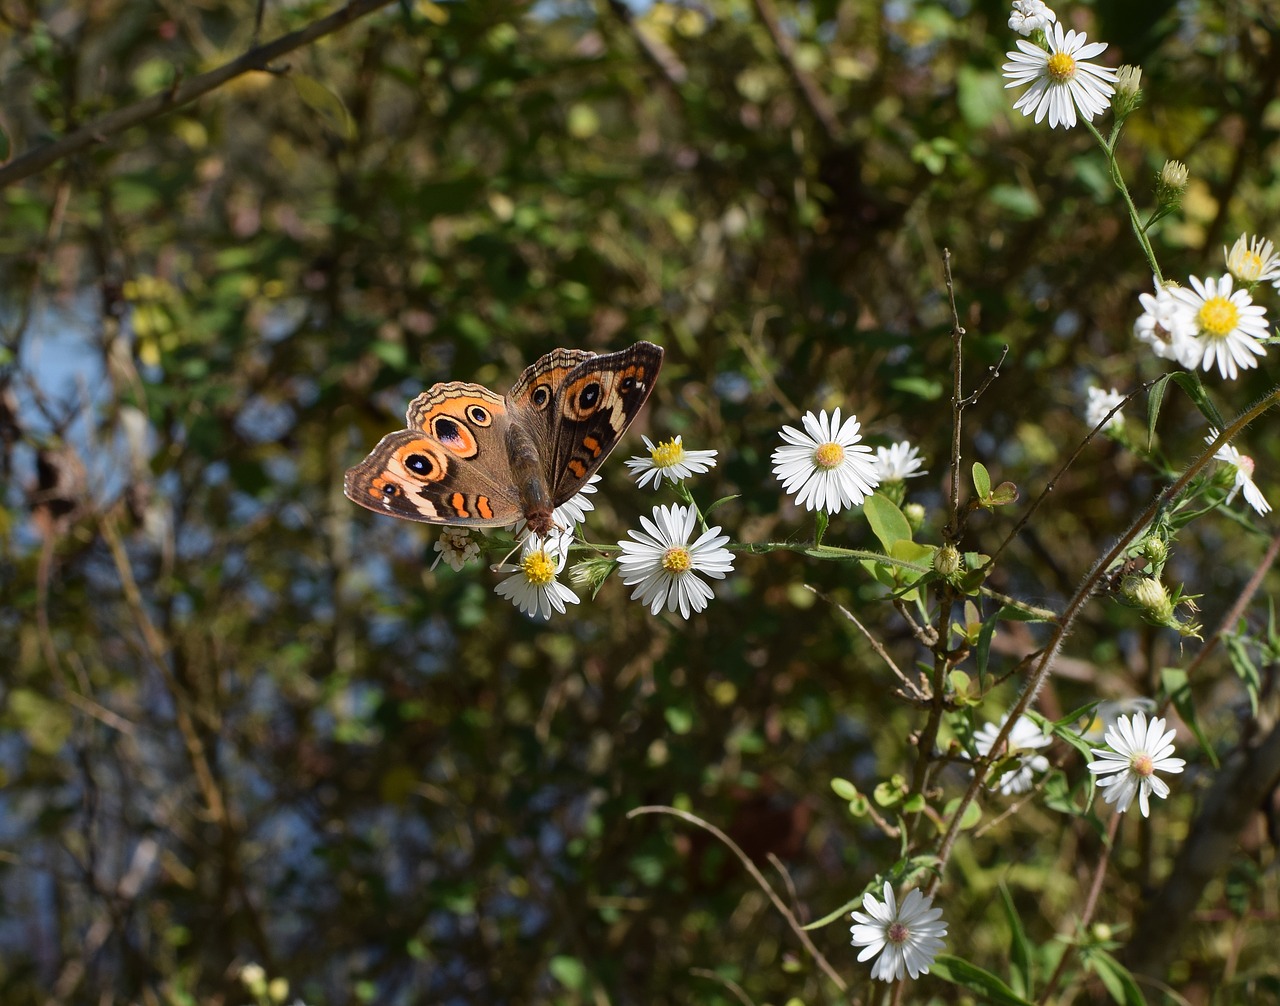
947 561
1128 93
1171 183
915 514
1154 549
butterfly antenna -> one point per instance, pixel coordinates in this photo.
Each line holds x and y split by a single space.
520 540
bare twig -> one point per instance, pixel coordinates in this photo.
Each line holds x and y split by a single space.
876 645
108 125
759 878
814 97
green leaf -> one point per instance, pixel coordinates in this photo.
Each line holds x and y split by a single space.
1022 977
981 480
324 101
886 520
1190 383
844 789
1178 687
982 651
831 917
1003 494
720 502
6 147
569 972
1154 401
1117 978
922 387
975 979
45 724
972 813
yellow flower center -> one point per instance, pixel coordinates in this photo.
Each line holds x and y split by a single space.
828 455
1060 67
1142 765
539 568
677 559
667 454
1248 266
1218 317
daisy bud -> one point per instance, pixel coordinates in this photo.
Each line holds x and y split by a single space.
1171 183
1128 94
1154 549
1150 595
915 514
947 561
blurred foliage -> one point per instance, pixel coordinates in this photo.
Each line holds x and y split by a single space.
243 720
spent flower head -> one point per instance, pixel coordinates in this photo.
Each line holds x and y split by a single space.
669 458
1062 80
532 586
663 565
1136 750
1243 481
1029 16
825 465
455 547
1230 328
907 938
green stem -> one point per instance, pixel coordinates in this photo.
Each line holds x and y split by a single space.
1109 149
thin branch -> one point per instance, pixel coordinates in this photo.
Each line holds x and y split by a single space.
758 877
258 58
875 643
814 97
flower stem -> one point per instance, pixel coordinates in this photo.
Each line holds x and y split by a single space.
1139 231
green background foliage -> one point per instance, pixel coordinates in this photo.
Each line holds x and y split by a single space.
244 720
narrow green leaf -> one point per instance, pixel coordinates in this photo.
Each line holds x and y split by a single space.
1190 383
1177 686
975 979
981 480
1154 401
886 520
831 917
324 101
982 651
720 502
1117 979
1021 977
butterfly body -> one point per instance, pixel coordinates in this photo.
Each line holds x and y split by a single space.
473 458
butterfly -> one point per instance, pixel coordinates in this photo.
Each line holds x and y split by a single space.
476 459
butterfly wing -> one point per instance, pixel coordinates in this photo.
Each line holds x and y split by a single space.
590 408
449 467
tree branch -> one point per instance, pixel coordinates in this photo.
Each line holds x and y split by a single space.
258 58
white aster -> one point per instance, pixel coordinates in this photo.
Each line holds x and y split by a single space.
907 938
1061 80
669 458
572 512
1099 404
1252 260
901 461
455 547
1169 327
1136 750
1024 738
1030 15
1109 711
662 565
532 586
1244 467
1229 326
826 466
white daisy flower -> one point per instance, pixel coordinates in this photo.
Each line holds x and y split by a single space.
1244 466
1169 327
1138 750
533 587
1229 326
901 461
1099 404
1061 81
826 466
1253 260
669 458
907 938
1029 16
456 548
1024 737
662 565
1109 711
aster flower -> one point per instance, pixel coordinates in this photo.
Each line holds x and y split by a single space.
662 565
1244 467
456 548
1136 750
669 458
1109 711
907 938
1025 737
1061 80
1169 327
826 466
1229 326
1253 260
1099 404
533 587
901 461
1029 16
